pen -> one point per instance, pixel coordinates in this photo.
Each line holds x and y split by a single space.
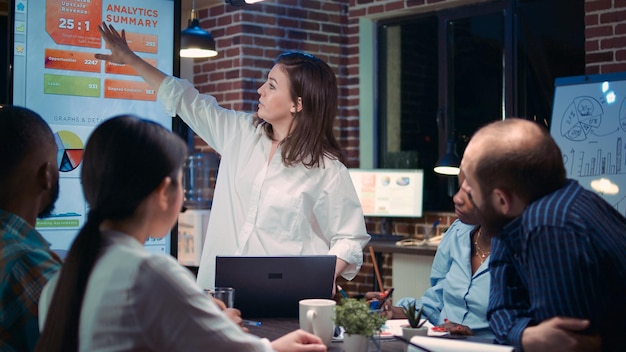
386 297
252 322
343 293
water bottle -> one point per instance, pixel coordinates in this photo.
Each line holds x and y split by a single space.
199 173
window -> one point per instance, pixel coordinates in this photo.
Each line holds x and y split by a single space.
445 74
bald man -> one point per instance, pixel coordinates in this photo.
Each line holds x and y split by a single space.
29 186
558 261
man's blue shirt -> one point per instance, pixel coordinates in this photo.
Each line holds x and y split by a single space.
564 256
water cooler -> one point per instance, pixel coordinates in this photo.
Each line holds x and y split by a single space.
199 174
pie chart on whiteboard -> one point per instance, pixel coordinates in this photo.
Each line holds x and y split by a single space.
70 150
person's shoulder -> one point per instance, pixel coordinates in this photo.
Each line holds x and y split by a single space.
18 250
164 273
333 164
459 228
328 168
162 266
42 257
564 203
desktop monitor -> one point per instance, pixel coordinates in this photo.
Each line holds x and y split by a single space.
54 73
389 192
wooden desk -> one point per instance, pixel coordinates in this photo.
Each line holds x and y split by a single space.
277 327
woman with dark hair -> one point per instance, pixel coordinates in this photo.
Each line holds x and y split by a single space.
282 186
111 293
459 294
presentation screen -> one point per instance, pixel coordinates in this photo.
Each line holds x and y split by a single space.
56 75
389 192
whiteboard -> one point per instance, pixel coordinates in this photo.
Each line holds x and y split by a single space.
589 125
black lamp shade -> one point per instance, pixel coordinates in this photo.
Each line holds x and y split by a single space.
449 163
241 2
196 42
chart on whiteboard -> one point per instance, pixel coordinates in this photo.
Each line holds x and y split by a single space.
589 125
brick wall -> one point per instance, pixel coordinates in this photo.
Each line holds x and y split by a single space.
605 36
250 37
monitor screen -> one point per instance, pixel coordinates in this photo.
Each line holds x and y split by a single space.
389 192
56 75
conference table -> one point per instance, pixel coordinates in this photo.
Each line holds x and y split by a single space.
272 328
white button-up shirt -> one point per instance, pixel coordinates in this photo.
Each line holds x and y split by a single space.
260 206
140 301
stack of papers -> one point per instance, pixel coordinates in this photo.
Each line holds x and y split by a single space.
437 344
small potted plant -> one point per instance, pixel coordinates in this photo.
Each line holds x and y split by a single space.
416 323
359 323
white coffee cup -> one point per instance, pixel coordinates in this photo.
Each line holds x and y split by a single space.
317 316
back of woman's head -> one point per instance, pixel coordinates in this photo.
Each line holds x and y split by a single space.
313 81
126 158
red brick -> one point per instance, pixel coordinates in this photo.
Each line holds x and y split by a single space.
612 68
598 57
599 5
613 42
612 17
592 45
591 19
598 31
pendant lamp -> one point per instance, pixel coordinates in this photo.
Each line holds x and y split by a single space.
241 2
195 42
449 163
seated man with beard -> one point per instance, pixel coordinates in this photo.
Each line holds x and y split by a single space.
29 186
558 259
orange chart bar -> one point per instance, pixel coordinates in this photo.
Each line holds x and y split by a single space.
118 69
131 90
71 61
141 42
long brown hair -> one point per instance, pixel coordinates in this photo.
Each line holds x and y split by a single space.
311 138
125 159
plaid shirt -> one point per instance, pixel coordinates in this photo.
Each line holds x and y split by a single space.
26 264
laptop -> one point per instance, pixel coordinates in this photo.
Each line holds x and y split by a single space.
270 287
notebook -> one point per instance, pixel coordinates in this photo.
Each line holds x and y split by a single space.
270 287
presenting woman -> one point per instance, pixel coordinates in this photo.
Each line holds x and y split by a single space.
282 186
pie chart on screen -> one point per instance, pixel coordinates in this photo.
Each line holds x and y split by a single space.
70 150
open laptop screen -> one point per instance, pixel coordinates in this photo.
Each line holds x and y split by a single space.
268 287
